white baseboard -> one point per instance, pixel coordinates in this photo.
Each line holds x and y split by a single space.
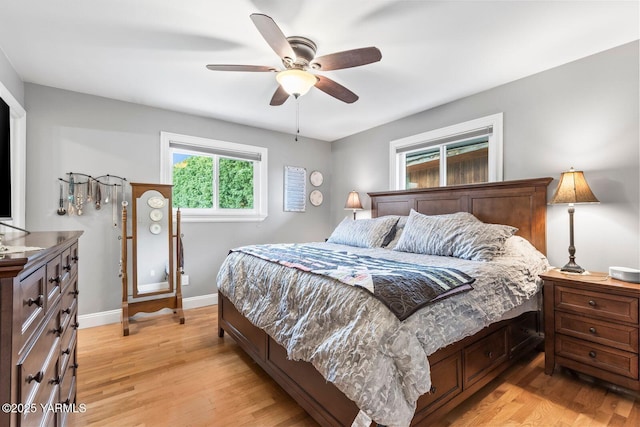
114 316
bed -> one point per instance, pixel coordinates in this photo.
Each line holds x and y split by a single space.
424 373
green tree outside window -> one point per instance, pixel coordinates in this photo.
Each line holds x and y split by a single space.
193 182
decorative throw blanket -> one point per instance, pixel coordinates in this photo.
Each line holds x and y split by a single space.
402 287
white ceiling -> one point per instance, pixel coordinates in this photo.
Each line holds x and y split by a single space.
154 52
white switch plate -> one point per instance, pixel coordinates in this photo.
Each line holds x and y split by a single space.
185 280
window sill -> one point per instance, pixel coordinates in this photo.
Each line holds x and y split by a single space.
222 218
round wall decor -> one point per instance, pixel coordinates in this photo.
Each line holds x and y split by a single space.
316 197
316 178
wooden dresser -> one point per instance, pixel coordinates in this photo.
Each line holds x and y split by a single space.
592 326
38 329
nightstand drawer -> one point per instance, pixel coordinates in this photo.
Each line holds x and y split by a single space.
615 335
606 306
599 356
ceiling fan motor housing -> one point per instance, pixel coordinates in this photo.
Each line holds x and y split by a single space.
304 49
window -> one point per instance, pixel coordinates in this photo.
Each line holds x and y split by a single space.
466 153
215 180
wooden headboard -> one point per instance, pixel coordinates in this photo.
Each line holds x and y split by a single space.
521 204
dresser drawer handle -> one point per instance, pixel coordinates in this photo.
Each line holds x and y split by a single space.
54 279
67 310
433 389
37 301
67 351
592 354
592 330
75 325
592 303
37 377
489 354
55 380
58 330
75 258
67 267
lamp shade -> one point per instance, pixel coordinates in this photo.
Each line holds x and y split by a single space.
573 188
295 81
353 201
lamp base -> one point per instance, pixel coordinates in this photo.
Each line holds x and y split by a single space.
572 267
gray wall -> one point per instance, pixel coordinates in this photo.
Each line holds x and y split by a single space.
583 114
73 132
10 79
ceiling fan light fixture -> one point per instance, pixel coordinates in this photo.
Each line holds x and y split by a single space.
295 81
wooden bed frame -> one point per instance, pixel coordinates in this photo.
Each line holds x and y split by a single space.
458 370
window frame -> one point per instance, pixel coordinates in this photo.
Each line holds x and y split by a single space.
217 149
400 147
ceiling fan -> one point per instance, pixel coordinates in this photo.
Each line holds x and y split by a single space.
298 55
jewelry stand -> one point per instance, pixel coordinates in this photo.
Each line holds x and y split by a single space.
152 222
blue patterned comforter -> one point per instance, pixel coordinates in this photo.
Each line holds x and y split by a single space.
402 287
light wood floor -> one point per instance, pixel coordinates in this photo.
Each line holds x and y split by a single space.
167 374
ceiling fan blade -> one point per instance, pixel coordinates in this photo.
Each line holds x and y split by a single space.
347 59
336 90
279 96
231 67
273 35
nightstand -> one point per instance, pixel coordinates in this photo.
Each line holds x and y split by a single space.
592 327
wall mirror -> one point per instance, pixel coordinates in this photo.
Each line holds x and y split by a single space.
155 245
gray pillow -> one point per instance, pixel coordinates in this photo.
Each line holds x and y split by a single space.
459 235
363 233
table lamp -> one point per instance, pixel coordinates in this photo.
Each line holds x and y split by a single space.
572 189
353 202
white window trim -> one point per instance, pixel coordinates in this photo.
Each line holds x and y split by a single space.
397 164
259 213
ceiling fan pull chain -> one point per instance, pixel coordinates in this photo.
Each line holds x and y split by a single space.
297 116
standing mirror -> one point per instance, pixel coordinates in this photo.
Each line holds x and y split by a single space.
155 273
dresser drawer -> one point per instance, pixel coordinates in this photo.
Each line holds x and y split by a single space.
72 261
45 396
67 268
35 369
620 336
53 280
68 377
599 356
602 305
67 343
30 303
69 301
67 396
480 357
